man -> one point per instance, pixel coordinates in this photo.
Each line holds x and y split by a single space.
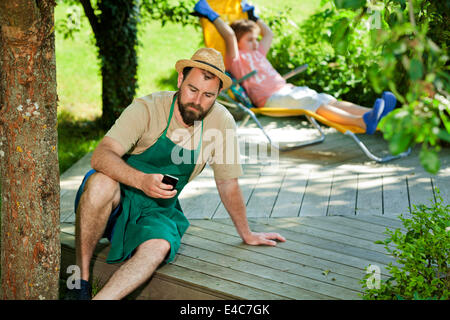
124 199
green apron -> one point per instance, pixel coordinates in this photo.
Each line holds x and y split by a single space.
144 218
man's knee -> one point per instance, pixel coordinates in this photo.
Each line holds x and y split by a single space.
155 247
101 189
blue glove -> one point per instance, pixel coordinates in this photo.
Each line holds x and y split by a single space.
203 9
250 9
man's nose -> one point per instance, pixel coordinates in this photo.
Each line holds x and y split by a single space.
197 98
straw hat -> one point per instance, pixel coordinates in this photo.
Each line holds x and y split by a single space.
207 59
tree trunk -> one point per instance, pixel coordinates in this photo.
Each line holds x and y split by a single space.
115 32
30 252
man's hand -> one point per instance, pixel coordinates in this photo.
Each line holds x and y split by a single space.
152 185
260 238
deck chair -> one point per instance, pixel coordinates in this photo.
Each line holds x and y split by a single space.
235 96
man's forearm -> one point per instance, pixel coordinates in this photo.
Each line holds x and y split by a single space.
232 199
111 164
231 196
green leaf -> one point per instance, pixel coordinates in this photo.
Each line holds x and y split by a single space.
429 160
444 135
399 142
339 35
349 4
415 70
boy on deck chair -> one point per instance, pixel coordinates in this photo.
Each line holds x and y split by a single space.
244 53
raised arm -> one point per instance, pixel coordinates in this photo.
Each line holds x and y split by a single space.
267 35
266 32
228 36
203 9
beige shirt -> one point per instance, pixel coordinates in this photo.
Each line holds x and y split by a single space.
144 121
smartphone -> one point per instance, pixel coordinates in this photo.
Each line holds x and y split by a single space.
171 180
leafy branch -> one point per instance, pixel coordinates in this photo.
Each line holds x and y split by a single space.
414 64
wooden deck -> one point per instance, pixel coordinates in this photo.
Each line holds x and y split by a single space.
328 200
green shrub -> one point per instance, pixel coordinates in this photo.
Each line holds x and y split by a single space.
341 72
422 254
414 64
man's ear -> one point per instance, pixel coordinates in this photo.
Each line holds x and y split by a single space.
180 79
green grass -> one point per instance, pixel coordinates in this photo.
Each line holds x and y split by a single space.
76 138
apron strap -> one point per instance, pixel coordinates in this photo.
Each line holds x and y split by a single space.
197 150
170 114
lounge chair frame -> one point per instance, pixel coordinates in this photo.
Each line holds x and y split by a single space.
243 103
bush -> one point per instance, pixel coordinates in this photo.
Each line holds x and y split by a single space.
413 38
423 253
341 72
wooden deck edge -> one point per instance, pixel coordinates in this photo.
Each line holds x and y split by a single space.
160 286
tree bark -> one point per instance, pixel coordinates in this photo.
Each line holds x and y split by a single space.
30 251
115 31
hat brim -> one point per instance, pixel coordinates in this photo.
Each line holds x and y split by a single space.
181 64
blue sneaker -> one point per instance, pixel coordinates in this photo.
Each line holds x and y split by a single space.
389 102
203 9
372 117
84 293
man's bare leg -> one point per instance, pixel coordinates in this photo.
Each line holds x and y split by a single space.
135 271
100 196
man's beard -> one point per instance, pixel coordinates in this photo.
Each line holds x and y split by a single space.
190 116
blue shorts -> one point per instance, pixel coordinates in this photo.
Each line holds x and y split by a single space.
113 216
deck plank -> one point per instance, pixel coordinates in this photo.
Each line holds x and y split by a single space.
337 241
324 252
200 198
267 273
395 195
285 260
290 259
281 266
343 193
317 194
190 277
264 195
291 193
340 228
442 182
247 185
420 189
246 279
359 224
387 222
369 194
